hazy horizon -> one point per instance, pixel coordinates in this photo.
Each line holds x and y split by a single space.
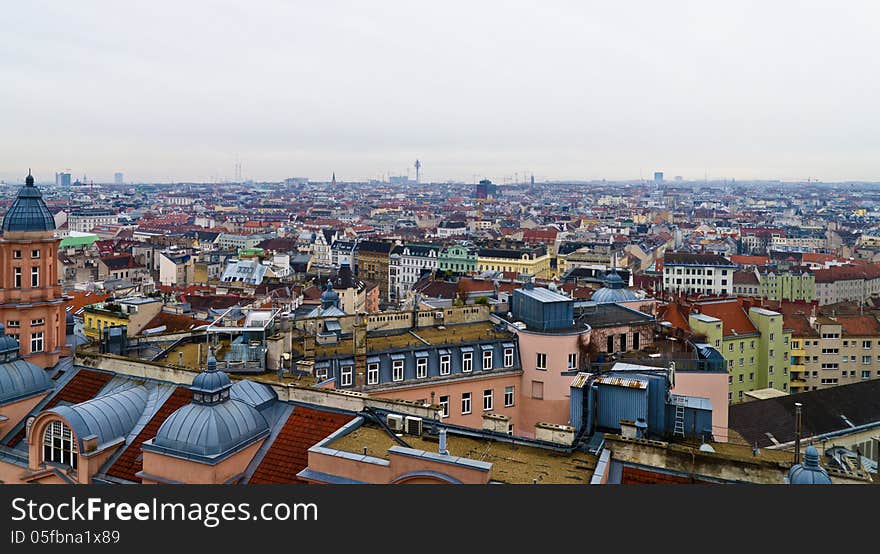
562 90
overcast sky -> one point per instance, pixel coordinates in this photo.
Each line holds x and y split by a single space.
179 90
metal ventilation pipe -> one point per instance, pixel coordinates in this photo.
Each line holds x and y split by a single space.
443 450
797 432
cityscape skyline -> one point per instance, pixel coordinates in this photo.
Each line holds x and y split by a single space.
563 91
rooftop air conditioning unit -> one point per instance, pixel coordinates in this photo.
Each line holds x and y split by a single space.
413 426
395 422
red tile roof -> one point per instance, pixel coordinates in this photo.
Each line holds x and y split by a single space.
131 461
859 325
732 314
288 454
174 322
81 387
799 325
749 260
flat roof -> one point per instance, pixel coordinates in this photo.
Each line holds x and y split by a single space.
511 463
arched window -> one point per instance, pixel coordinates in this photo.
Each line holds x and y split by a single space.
59 445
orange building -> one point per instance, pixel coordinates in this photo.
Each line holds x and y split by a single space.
31 303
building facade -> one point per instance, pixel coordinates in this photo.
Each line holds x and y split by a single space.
704 274
31 301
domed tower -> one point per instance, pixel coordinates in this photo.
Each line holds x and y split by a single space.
613 290
31 303
810 472
216 432
329 298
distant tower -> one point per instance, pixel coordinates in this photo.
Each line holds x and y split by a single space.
418 166
333 181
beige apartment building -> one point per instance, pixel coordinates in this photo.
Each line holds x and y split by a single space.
830 351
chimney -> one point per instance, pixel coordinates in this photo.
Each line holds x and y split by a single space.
443 450
797 432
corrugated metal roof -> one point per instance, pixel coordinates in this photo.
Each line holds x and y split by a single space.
544 295
623 382
580 380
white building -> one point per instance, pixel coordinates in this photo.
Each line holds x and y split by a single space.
694 273
405 267
85 220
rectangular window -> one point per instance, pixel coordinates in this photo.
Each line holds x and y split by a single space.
609 344
866 360
37 342
444 364
487 400
347 375
730 347
508 396
37 322
772 336
421 368
372 374
866 344
13 323
623 342
538 390
35 254
742 362
636 341
508 357
467 361
541 361
487 360
397 370
465 403
572 360
35 277
16 254
16 277
444 406
321 374
740 377
866 375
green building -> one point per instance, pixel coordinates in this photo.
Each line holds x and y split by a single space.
788 285
753 342
458 258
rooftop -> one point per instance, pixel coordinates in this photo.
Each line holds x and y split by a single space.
511 463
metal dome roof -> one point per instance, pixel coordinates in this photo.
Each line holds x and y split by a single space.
29 211
8 346
614 290
210 430
20 379
211 380
108 417
810 472
329 297
605 295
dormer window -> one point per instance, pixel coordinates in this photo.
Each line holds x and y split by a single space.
59 445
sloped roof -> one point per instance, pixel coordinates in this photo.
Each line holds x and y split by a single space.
732 314
288 454
83 386
823 412
130 461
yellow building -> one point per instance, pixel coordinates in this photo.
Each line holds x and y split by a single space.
134 313
531 260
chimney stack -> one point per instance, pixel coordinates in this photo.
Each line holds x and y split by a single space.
443 450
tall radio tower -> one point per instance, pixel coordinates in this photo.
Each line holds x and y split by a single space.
418 166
